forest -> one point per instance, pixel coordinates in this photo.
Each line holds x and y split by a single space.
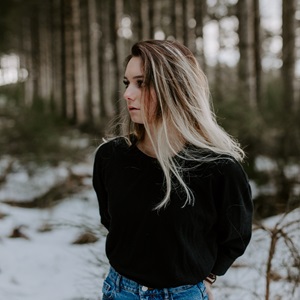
62 64
69 57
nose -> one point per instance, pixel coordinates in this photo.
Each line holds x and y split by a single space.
129 94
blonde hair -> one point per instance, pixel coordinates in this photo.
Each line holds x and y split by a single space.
183 107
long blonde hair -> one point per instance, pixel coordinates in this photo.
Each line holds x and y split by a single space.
183 105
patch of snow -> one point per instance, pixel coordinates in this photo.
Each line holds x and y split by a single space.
263 163
21 185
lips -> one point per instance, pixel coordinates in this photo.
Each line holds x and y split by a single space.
132 108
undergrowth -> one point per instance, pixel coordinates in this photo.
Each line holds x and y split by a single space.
31 134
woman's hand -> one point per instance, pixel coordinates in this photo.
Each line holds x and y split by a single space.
209 290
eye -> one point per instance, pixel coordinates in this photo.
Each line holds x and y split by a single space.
126 83
140 83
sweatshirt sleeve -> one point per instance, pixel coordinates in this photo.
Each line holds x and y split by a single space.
235 208
99 185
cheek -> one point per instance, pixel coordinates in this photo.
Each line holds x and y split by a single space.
150 107
153 110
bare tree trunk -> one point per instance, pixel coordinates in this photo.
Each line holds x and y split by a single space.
146 31
178 20
86 59
93 65
67 60
35 53
184 22
138 20
45 67
79 82
156 17
115 11
289 134
56 51
173 18
105 53
288 53
247 56
151 18
218 72
27 46
166 18
257 49
200 13
190 26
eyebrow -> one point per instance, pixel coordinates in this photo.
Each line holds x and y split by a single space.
135 77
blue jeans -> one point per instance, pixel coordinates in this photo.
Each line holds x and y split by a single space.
118 287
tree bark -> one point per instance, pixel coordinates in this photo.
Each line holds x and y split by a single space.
27 58
115 10
93 64
178 21
56 56
138 20
151 6
200 12
45 67
190 28
78 66
288 53
35 53
104 53
146 31
67 60
257 51
247 56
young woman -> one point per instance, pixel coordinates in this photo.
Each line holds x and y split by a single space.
172 194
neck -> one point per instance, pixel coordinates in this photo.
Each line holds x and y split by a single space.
146 146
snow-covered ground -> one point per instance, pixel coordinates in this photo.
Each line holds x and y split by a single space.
45 265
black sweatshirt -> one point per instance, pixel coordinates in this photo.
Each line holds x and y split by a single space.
176 245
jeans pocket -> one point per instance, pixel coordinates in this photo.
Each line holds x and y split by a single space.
107 290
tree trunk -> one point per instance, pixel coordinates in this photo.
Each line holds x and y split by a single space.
146 31
115 11
178 21
27 48
173 31
35 53
200 12
45 68
138 20
288 53
247 55
190 27
257 50
151 18
78 68
93 65
56 51
104 50
67 59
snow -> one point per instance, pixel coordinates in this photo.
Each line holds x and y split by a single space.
48 266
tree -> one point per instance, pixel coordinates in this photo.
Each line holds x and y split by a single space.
257 52
288 53
247 55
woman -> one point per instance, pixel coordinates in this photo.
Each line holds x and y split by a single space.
172 194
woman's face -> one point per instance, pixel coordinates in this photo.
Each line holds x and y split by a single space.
134 96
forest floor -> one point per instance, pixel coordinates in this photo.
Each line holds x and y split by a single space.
52 244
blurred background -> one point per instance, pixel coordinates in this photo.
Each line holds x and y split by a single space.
62 61
61 70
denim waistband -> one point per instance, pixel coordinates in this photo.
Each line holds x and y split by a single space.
122 282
